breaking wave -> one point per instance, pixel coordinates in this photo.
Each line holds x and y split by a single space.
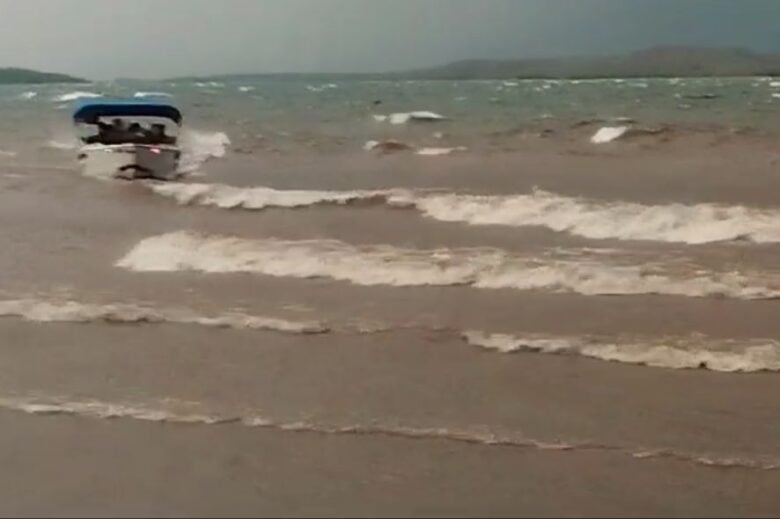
386 265
691 224
695 352
227 197
193 414
676 223
74 312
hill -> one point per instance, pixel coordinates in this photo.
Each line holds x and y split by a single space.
13 76
654 62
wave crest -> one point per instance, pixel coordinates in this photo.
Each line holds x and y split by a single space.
675 223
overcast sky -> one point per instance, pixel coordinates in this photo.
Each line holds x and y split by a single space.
163 38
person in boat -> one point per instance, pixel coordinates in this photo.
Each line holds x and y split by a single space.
105 132
135 133
115 133
157 135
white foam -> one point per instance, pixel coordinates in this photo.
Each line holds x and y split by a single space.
609 134
386 265
28 95
198 147
152 94
439 151
693 352
72 96
74 312
775 84
209 84
58 144
194 414
9 154
676 223
776 95
246 89
400 118
406 117
386 145
321 88
510 84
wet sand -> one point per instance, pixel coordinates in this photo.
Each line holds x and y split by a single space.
389 411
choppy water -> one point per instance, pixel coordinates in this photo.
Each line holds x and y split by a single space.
492 277
300 116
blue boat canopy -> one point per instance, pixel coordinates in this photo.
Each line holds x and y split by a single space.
88 111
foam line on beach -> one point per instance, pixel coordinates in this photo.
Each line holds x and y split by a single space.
194 415
44 311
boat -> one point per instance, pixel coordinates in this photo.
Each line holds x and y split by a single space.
130 139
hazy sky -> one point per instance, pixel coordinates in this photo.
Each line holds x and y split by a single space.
163 38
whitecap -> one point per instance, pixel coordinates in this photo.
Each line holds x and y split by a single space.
151 94
321 88
405 117
609 134
28 95
73 96
433 152
246 89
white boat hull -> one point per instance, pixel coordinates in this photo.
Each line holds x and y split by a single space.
131 161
